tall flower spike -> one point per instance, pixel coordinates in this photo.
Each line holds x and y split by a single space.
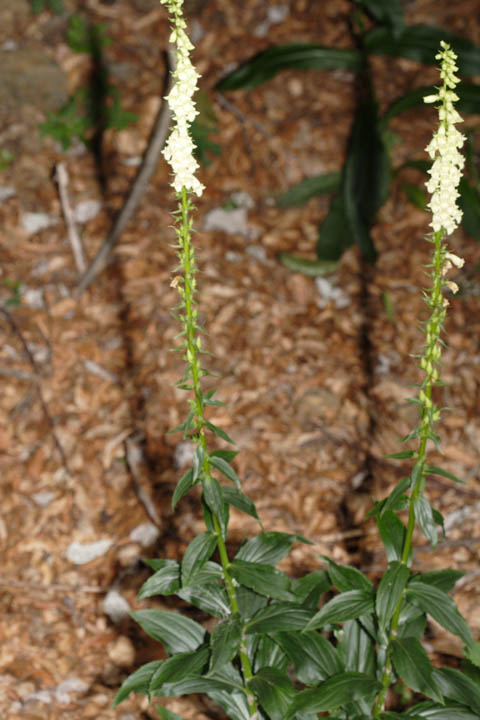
444 147
179 148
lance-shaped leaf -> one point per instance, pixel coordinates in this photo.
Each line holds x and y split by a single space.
242 502
196 555
213 497
209 597
392 532
264 579
412 664
424 518
312 268
176 632
296 56
225 642
313 186
457 686
335 692
226 469
421 43
389 13
358 648
277 617
346 606
268 547
346 577
441 607
167 714
334 235
165 581
309 588
468 100
274 691
178 667
269 653
390 591
314 658
443 579
138 682
185 484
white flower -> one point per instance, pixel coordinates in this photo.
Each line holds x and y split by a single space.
455 260
446 170
179 148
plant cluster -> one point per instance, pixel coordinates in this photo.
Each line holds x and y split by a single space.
363 184
283 648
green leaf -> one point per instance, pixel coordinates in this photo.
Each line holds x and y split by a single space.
167 714
469 203
440 712
309 588
358 648
242 502
389 592
366 175
249 602
390 13
348 605
278 617
176 632
403 455
219 432
226 469
412 664
84 37
264 579
196 555
165 581
434 470
395 499
178 667
55 6
424 518
345 577
312 268
459 687
209 597
445 580
472 653
183 486
334 235
417 196
198 459
267 547
314 186
269 653
442 608
297 56
225 642
213 497
421 43
202 684
274 691
313 656
138 682
412 621
227 455
392 532
335 692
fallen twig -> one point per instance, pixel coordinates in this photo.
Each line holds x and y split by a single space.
61 177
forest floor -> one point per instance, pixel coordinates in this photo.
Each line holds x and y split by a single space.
315 381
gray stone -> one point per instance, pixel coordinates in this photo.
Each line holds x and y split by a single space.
29 77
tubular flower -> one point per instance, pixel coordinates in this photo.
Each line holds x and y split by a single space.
179 148
444 147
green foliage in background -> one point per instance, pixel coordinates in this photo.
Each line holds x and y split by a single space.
363 184
55 6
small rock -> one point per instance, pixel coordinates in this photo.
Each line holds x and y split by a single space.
122 652
43 498
87 210
329 292
34 298
183 454
34 222
74 684
146 534
257 251
115 606
83 553
232 222
6 192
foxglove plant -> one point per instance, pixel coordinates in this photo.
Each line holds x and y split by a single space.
272 653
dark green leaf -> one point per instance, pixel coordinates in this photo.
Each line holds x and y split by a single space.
417 196
249 602
469 203
412 664
183 486
198 458
225 642
309 588
345 577
83 37
268 653
242 502
165 581
301 193
202 684
213 497
335 692
473 654
434 470
274 691
403 455
439 712
226 469
209 597
138 682
424 518
421 43
312 268
278 617
299 56
176 632
211 572
313 656
219 432
395 500
392 532
334 235
267 547
389 592
178 667
443 579
167 714
441 607
264 579
346 606
457 686
358 648
227 455
196 555
390 13
55 5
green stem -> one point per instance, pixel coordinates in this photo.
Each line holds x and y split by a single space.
190 317
428 416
